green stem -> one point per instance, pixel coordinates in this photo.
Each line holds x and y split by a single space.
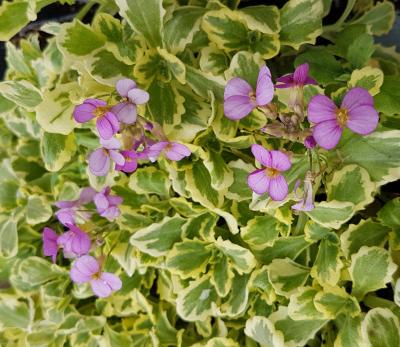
373 301
335 27
84 10
301 222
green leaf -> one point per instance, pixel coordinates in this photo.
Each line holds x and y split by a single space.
8 197
296 332
368 77
381 327
150 180
79 39
213 60
246 66
374 261
221 342
177 68
263 331
188 258
301 305
365 233
238 190
389 214
8 238
222 275
332 214
261 231
197 301
287 276
262 18
351 183
202 83
327 265
323 65
238 297
145 17
14 313
360 50
349 331
379 19
57 150
159 238
13 17
220 24
301 22
54 113
335 300
22 93
38 210
378 153
180 29
388 100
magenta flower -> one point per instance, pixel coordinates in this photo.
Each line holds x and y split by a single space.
50 246
87 269
74 242
131 163
173 151
107 204
100 159
240 98
107 123
126 110
269 179
297 79
309 142
356 112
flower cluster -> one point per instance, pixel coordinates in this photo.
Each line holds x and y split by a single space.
321 124
125 138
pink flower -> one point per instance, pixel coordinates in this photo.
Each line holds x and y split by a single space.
269 179
240 98
107 123
50 246
306 204
173 151
74 242
297 79
107 204
130 164
126 110
356 112
309 142
100 159
87 269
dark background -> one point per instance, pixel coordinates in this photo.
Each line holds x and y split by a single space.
63 13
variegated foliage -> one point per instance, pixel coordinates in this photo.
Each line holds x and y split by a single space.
202 261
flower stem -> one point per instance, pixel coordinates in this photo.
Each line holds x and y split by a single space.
301 222
339 23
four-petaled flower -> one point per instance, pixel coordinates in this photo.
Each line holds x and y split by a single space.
356 112
240 98
107 204
101 158
74 242
297 79
173 150
87 269
270 178
107 123
126 110
131 163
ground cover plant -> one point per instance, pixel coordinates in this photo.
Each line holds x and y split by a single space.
200 173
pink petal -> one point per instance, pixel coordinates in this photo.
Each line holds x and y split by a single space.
265 87
115 200
80 244
117 157
84 112
280 161
303 206
356 97
320 109
99 162
327 134
107 125
238 107
237 87
50 247
112 280
79 277
363 120
258 181
177 151
154 151
300 74
125 112
66 216
101 202
278 188
310 80
138 96
124 85
262 155
86 195
95 102
100 288
285 81
87 265
111 213
112 143
309 142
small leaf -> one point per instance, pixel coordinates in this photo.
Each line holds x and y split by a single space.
8 238
14 16
263 331
332 214
149 180
260 232
22 93
368 78
57 150
38 210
